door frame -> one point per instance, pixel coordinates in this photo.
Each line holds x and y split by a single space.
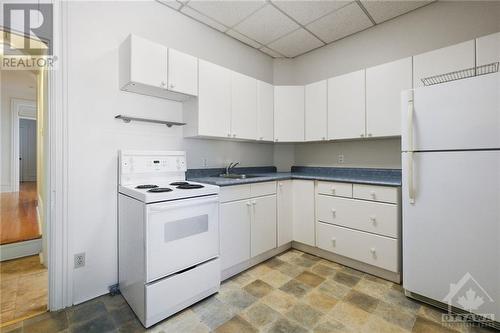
21 109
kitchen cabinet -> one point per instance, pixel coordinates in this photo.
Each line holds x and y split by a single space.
442 61
243 106
209 115
265 111
289 113
303 211
152 69
284 211
384 84
263 225
346 106
235 219
316 111
488 49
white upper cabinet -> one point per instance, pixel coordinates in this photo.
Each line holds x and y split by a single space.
316 111
488 49
182 72
243 106
145 68
265 111
289 113
384 84
346 106
442 61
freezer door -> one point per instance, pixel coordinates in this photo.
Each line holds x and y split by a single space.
453 227
463 114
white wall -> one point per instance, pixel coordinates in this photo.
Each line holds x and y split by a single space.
14 84
95 31
434 26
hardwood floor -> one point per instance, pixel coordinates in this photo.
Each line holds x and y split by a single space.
18 220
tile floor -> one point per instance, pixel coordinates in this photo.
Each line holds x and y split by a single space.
293 292
23 288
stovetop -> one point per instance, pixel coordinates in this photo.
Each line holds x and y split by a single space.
169 190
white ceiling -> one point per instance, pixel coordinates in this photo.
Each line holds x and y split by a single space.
289 28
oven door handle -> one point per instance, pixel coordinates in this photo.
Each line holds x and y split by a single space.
182 203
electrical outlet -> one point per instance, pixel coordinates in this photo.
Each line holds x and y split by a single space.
79 260
340 158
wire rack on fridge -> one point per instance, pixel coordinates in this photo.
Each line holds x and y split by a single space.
462 74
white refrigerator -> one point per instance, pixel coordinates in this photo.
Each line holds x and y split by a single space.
451 194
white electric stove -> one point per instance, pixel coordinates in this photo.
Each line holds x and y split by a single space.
168 235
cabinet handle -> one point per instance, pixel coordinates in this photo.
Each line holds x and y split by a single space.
334 241
323 138
172 86
369 134
373 251
362 135
333 190
276 140
373 194
228 135
373 220
249 203
234 135
254 202
334 211
163 83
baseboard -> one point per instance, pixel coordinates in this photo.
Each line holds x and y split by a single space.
20 249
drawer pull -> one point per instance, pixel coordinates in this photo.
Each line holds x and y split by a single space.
373 251
372 193
334 241
334 211
249 203
373 220
333 190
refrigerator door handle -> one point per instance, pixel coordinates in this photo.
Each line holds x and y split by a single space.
410 120
411 188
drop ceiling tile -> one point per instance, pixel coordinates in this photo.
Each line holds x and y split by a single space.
228 13
305 12
382 11
171 3
341 23
270 52
266 25
296 43
203 19
243 39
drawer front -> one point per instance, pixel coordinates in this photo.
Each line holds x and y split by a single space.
334 188
376 193
233 193
376 217
358 245
261 189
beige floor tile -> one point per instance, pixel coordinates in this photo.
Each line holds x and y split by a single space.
259 270
378 325
261 315
372 288
320 301
349 315
258 288
333 289
323 270
242 279
423 325
279 301
275 278
305 315
310 279
361 300
236 324
331 326
395 315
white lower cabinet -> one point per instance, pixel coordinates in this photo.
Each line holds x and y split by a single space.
303 211
235 220
285 212
263 225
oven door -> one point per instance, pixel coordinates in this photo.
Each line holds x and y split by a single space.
180 234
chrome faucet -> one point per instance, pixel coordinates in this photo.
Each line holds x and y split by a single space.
231 166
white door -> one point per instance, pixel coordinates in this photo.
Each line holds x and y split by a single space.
441 61
243 106
263 225
463 114
346 106
453 228
235 232
289 113
27 150
265 111
303 211
316 111
182 72
488 49
285 212
214 100
384 85
148 62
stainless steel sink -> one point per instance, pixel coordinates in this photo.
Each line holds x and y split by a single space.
236 176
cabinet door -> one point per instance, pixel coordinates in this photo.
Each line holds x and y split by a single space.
384 84
265 111
316 111
289 113
243 106
234 232
214 100
182 72
346 106
148 62
303 211
488 49
285 213
263 226
442 61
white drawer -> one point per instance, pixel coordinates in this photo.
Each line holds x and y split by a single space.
372 249
337 189
261 189
375 193
233 193
376 217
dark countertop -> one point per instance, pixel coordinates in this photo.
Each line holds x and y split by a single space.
386 177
